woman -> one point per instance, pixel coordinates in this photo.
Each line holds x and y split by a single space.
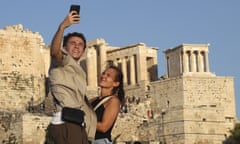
111 84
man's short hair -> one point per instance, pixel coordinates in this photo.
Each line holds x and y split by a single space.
76 34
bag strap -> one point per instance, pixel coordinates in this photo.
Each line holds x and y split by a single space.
101 102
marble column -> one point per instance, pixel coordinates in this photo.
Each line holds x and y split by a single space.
181 62
185 62
102 57
124 70
206 61
200 61
115 62
132 71
91 61
193 61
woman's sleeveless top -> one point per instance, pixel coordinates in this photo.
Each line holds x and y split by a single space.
99 112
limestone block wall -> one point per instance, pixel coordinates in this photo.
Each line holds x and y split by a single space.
23 128
34 128
194 109
211 107
167 104
20 51
10 127
167 94
22 68
211 92
18 91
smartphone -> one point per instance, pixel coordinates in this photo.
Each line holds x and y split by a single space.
75 8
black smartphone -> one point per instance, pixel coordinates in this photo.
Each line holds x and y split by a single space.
75 8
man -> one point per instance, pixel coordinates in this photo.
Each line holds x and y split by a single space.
68 85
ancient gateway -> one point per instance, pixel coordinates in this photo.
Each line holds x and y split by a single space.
187 105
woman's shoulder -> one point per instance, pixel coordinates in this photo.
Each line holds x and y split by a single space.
113 103
114 99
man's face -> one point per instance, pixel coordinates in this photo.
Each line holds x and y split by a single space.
75 47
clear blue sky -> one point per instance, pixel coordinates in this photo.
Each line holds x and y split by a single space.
157 23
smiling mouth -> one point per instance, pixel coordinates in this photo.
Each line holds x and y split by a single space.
76 51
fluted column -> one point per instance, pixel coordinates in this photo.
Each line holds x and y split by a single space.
155 70
200 62
181 62
132 71
193 62
185 62
115 62
206 61
102 57
91 61
167 67
124 70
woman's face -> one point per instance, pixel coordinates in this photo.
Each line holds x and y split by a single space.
108 77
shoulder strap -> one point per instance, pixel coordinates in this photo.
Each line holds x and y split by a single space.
101 102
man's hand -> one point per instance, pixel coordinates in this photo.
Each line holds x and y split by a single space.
71 18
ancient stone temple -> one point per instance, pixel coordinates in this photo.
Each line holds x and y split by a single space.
191 101
185 106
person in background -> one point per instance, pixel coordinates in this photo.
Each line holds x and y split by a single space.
68 84
111 84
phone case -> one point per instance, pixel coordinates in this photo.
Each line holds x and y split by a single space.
75 8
